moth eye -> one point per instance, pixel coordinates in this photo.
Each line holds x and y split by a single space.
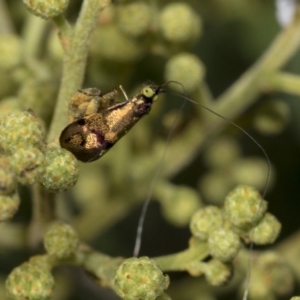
148 92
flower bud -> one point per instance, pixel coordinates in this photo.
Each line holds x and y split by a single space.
140 278
46 9
217 273
244 207
272 117
178 203
179 23
187 69
20 129
61 170
9 205
27 165
31 280
134 19
223 244
61 240
204 221
266 231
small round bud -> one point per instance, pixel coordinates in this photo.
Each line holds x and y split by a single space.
250 171
20 129
260 287
61 170
215 185
204 221
266 231
217 273
140 278
271 277
272 117
179 23
31 280
7 177
10 49
113 45
295 298
223 244
46 9
61 241
134 19
187 69
179 203
244 207
9 205
222 152
27 165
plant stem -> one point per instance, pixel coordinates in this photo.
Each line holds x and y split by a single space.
283 82
180 261
74 63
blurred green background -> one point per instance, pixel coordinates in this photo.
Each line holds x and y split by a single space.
234 35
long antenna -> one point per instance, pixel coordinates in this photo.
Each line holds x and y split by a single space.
139 233
157 173
251 246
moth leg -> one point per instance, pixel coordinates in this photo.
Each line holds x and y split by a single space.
83 103
124 93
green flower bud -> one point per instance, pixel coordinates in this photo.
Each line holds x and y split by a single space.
223 244
27 165
266 231
295 298
7 177
179 23
214 186
40 95
8 105
113 45
196 268
140 278
259 288
31 280
272 117
61 170
250 171
134 19
187 69
178 203
244 207
271 277
204 221
217 273
9 205
61 241
46 9
20 129
10 49
222 152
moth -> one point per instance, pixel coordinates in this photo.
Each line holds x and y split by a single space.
91 136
